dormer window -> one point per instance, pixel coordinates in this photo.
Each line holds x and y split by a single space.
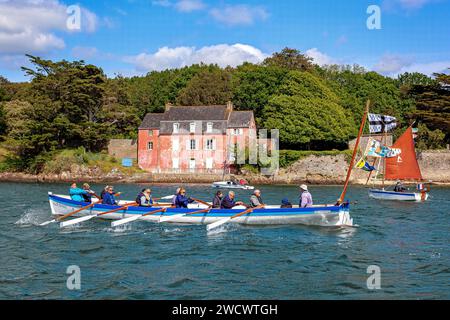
209 127
176 128
192 127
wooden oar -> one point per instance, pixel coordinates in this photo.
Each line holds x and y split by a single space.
175 216
69 214
89 217
226 220
202 202
134 218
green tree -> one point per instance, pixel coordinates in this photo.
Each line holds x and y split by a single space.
290 59
208 87
253 85
430 139
308 114
433 104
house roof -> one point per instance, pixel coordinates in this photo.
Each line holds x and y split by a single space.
151 121
240 119
235 119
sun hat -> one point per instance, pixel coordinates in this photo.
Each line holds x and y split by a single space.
304 187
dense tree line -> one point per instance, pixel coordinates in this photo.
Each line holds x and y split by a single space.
72 104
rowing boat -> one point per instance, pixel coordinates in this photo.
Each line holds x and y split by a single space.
320 215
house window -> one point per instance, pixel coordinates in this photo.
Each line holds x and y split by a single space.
210 144
192 127
150 146
176 128
237 132
193 144
176 145
209 127
150 133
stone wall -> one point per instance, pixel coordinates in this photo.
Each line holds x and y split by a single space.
122 148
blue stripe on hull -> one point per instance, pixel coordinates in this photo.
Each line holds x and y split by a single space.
212 213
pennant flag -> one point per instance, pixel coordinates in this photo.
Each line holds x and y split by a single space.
364 165
375 149
381 123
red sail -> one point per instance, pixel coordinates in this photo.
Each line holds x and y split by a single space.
404 166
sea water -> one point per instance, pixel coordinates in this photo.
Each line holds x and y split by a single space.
408 242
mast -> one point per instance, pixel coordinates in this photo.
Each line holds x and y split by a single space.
384 159
355 150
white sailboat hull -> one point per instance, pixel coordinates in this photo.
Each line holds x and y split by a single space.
397 196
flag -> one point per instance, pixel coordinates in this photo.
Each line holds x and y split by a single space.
376 149
381 123
364 165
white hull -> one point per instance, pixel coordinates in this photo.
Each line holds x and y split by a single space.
397 196
229 185
331 216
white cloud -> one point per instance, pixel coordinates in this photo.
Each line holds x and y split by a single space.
393 65
28 26
181 5
189 5
320 58
85 52
408 5
390 64
222 54
233 15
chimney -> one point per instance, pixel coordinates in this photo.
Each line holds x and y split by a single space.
168 106
230 106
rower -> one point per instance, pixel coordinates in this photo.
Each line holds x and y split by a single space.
87 197
182 200
174 198
109 198
229 203
76 194
217 200
256 200
285 203
305 197
144 198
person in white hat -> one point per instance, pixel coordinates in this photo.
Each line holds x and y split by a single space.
305 197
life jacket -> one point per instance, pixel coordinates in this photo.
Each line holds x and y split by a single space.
138 197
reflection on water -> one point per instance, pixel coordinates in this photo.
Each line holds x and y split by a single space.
141 260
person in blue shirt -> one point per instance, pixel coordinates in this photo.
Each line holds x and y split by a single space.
144 198
182 200
229 202
76 194
109 198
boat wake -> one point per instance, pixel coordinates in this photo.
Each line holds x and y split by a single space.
222 229
31 217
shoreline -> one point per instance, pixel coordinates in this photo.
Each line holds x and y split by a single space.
17 177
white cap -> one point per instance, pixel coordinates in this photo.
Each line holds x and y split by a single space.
304 187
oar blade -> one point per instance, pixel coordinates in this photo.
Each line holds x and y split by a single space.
125 221
77 220
217 224
47 222
171 217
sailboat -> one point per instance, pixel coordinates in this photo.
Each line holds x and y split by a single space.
402 167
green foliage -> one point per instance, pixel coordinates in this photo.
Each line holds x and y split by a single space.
208 87
433 104
308 114
290 59
253 85
430 139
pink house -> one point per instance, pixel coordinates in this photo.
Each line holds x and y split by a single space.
193 138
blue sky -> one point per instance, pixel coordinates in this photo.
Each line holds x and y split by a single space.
132 37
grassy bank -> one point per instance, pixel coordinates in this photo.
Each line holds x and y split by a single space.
70 160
